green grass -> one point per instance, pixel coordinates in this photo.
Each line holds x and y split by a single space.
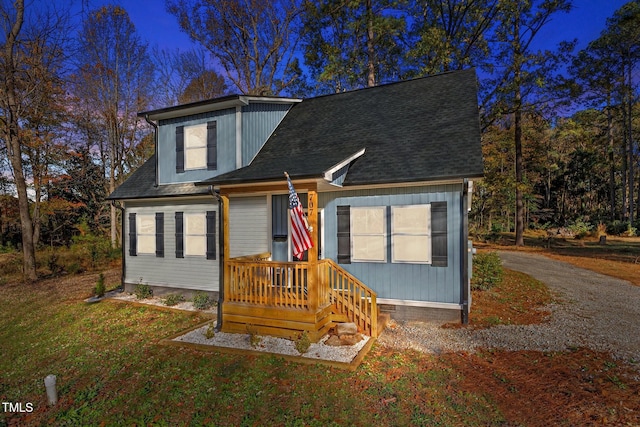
111 370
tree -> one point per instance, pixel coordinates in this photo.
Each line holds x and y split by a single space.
74 197
185 77
450 34
352 44
31 60
523 70
596 80
623 37
604 72
254 41
112 83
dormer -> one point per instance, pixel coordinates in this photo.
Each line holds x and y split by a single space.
204 139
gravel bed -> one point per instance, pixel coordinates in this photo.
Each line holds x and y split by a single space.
158 301
596 312
281 346
274 345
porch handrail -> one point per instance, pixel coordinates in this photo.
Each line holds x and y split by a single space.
264 256
268 283
350 296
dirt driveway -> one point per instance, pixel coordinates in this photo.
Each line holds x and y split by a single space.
594 311
599 312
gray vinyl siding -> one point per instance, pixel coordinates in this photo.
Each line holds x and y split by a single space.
401 281
226 146
248 226
258 122
194 273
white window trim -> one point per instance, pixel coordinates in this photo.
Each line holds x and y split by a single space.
382 234
187 235
190 148
150 247
420 234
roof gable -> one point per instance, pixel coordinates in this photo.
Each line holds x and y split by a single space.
418 130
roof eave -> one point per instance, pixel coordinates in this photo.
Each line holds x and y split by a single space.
223 103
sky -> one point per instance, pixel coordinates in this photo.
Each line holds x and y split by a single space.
585 22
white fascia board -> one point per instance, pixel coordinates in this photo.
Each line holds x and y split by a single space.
328 174
270 100
197 109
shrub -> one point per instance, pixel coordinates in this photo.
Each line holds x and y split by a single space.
100 288
580 228
173 299
91 249
303 342
617 227
631 231
210 332
7 249
487 271
254 338
52 264
201 301
74 268
143 291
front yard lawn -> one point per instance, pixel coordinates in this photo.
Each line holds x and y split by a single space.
111 371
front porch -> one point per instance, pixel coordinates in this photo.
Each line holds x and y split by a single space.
284 299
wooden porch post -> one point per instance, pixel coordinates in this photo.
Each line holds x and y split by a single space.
312 274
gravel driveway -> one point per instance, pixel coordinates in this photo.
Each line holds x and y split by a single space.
595 311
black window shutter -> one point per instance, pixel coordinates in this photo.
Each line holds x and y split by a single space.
211 234
179 235
212 146
160 234
179 149
344 234
439 244
133 242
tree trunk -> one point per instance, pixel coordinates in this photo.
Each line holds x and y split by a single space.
631 146
519 176
371 53
612 165
12 139
518 136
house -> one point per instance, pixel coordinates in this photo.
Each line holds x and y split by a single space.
384 174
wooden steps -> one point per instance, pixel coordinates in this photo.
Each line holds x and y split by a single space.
276 321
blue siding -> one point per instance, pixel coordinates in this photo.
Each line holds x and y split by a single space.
226 128
417 282
258 122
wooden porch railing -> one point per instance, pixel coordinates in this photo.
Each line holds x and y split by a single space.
256 281
270 283
350 296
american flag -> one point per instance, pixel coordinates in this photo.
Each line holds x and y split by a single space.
300 237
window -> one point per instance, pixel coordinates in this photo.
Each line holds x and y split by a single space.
195 235
368 234
196 147
146 233
411 234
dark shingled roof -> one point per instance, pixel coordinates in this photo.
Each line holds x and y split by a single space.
424 129
141 184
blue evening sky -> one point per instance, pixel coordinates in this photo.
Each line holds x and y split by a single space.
584 22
